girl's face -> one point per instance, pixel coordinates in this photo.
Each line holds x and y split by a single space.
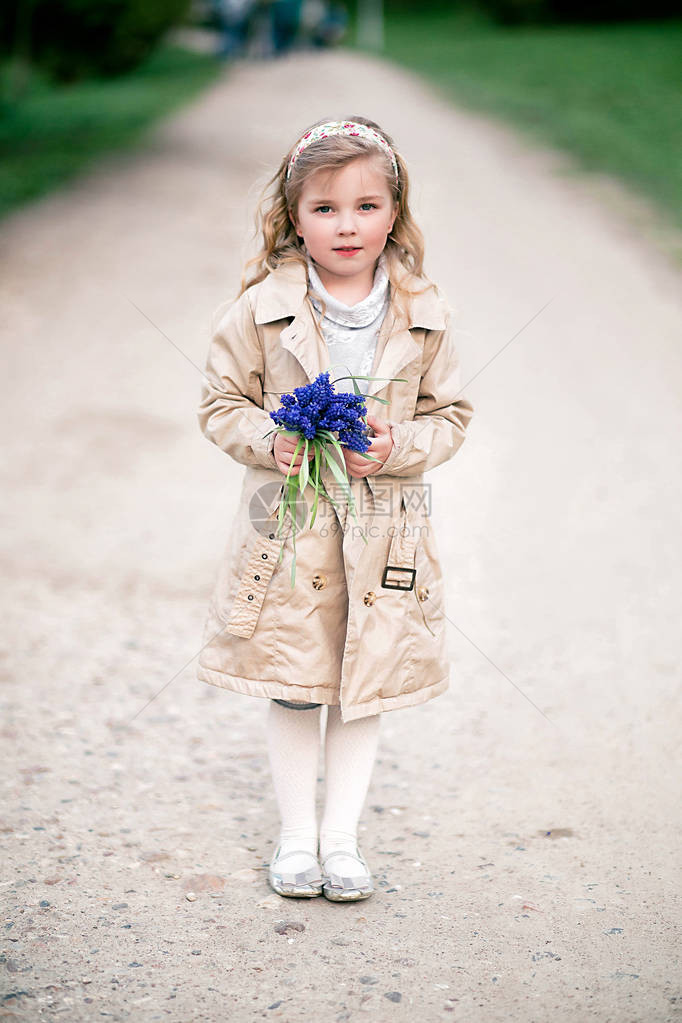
344 218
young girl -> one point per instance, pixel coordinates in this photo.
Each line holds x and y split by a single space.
339 286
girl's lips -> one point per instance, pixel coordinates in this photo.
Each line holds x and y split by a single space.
347 252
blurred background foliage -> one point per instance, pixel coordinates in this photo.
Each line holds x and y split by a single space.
74 39
608 93
601 79
51 133
519 12
82 77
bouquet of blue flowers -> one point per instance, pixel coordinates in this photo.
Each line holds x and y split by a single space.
325 421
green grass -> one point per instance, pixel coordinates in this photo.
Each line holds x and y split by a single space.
609 94
54 131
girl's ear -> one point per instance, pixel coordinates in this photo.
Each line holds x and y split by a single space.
395 214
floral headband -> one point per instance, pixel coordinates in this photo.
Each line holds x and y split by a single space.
324 131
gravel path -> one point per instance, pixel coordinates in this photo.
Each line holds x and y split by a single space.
524 828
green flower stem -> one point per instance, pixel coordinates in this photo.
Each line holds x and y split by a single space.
316 480
293 491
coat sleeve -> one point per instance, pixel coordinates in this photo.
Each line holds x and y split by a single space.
231 412
441 416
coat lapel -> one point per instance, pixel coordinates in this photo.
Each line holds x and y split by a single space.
282 295
305 343
390 358
396 344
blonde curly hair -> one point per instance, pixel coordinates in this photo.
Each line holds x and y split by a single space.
281 244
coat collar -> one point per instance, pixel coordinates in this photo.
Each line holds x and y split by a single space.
284 293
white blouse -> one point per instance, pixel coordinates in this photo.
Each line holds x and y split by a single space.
351 331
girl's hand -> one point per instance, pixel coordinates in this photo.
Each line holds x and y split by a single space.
380 447
285 445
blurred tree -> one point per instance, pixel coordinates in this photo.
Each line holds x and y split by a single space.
73 39
370 24
513 12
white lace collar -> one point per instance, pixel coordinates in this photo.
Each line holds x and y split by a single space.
362 313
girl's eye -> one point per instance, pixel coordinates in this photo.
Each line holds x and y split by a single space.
371 205
321 209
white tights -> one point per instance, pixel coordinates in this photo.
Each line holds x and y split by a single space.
293 740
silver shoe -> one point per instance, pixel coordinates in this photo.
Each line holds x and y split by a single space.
347 889
303 884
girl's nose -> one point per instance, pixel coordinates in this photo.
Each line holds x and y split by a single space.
347 223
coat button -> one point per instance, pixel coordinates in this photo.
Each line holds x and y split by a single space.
422 593
264 557
250 596
319 581
369 598
257 578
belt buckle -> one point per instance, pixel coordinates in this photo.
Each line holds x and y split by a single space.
397 585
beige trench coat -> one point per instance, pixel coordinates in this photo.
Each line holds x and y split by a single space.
363 626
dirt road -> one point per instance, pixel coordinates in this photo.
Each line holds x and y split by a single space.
523 829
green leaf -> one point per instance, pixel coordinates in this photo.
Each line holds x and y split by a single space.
296 451
341 477
338 468
293 556
338 447
316 481
333 440
293 503
304 472
293 491
400 380
327 496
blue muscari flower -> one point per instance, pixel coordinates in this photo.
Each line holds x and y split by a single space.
317 406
